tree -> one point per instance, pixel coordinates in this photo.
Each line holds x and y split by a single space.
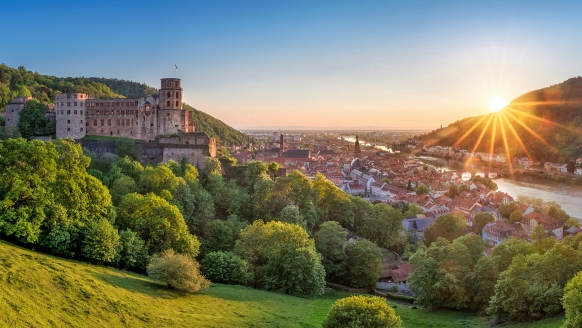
332 203
32 121
413 210
157 179
291 214
362 312
447 226
282 257
100 242
363 264
25 186
121 187
221 235
515 216
177 271
422 189
158 223
331 243
453 192
506 210
481 219
131 252
225 268
128 148
572 302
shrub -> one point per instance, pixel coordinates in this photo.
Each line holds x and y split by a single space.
225 268
177 270
361 312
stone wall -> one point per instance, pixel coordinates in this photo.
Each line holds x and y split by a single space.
70 115
13 109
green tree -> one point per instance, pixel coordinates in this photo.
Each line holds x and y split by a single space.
25 186
157 179
128 148
422 189
331 243
515 216
481 219
332 203
447 226
33 120
413 210
282 257
572 302
131 252
177 271
158 223
100 242
291 214
363 264
221 235
383 226
121 187
225 268
506 210
362 312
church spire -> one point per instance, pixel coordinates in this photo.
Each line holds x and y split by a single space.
357 145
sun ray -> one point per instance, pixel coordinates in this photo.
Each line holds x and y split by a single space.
469 132
507 152
577 131
517 137
535 134
493 134
482 133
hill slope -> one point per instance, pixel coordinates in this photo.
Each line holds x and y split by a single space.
554 114
38 290
21 82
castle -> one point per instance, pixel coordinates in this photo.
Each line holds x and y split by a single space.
166 130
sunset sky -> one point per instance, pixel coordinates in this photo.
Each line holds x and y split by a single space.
277 64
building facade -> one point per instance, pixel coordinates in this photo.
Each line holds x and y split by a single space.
146 118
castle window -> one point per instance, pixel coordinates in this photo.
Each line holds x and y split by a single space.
75 96
81 112
177 103
127 122
68 112
168 95
68 104
81 129
81 104
108 122
102 121
75 103
110 132
117 123
68 121
177 94
94 122
75 112
122 112
168 103
143 118
81 121
68 129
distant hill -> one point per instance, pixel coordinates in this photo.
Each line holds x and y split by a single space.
548 121
22 82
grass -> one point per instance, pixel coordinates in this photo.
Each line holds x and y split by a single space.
38 290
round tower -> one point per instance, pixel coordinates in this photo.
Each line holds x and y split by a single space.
171 94
70 115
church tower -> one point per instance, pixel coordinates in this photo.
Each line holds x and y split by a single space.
357 146
281 144
171 94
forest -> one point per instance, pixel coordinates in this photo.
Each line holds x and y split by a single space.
279 233
548 122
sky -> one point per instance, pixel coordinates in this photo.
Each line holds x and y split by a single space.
318 64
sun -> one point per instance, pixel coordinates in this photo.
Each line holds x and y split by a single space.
496 104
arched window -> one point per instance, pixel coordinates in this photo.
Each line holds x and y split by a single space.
168 103
178 94
177 103
168 94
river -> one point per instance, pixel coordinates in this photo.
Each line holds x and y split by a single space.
364 143
569 197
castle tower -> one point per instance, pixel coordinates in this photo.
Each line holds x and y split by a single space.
281 145
171 94
171 116
357 146
70 115
13 109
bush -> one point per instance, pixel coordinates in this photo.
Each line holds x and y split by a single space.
225 268
361 312
177 270
572 302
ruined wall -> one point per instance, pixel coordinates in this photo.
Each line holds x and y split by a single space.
113 117
194 154
70 115
13 109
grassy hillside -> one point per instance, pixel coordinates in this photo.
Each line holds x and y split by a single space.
553 113
37 290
